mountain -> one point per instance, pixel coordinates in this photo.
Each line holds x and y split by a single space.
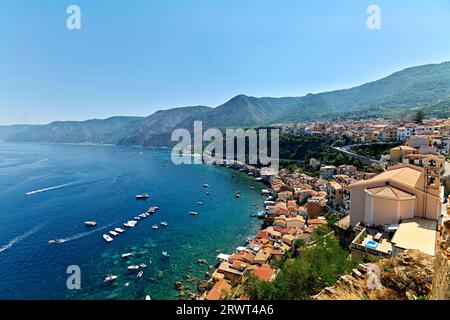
107 131
156 129
424 88
242 111
400 92
440 109
6 132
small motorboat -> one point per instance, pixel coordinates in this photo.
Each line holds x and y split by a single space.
238 194
262 214
200 203
142 265
133 267
110 277
119 230
126 255
90 223
107 238
193 213
164 223
56 241
143 215
130 224
140 274
137 218
155 227
114 233
126 284
206 185
142 196
165 254
147 297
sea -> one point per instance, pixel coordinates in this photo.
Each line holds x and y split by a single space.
48 191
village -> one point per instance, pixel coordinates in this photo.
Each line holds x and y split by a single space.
374 215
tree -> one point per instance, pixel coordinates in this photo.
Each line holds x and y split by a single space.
420 115
317 267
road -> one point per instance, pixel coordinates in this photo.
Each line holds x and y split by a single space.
363 159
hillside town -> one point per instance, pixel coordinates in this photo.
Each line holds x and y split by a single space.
372 215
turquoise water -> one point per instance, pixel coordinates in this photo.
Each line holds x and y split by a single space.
72 184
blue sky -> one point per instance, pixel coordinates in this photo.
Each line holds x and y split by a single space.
137 56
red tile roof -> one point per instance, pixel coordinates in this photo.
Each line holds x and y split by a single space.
220 289
265 272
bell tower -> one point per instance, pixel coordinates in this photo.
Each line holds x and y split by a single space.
432 166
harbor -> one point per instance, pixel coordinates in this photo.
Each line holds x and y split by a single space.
106 195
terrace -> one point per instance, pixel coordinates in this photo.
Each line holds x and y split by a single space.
372 241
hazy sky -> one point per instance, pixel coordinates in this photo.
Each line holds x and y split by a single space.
136 56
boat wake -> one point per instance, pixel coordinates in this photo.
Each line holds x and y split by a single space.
61 186
84 234
19 238
76 183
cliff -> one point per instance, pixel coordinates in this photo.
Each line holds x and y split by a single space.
410 275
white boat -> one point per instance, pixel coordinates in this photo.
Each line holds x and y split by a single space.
142 265
113 233
142 196
126 255
130 224
165 254
193 213
119 230
155 227
140 274
206 185
164 223
110 277
137 218
133 267
56 241
107 238
126 284
200 203
147 297
143 215
90 223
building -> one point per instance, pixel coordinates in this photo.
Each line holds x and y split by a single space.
335 194
396 210
402 192
315 207
397 153
389 134
220 289
327 172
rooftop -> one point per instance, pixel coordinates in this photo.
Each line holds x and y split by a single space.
408 175
417 234
390 192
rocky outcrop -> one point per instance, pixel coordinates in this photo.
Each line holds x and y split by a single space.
410 275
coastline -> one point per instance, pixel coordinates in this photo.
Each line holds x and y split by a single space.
205 285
